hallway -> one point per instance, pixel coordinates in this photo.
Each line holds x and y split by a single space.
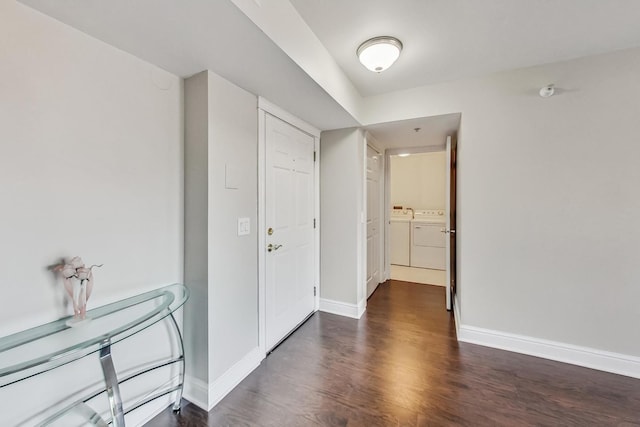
401 365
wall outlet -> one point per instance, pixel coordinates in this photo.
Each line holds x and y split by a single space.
244 226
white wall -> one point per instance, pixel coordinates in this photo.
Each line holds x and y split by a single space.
548 197
196 224
90 165
418 181
284 25
341 210
220 266
233 259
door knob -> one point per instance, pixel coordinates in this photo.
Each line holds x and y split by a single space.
271 247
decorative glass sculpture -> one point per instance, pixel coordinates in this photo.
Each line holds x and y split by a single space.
78 282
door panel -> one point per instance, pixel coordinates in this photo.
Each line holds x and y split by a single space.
429 235
289 206
373 220
400 242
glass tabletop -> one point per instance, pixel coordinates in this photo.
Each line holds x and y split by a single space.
48 346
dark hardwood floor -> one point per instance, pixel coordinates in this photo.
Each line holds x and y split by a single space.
400 365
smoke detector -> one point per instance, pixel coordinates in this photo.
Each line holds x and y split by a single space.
547 91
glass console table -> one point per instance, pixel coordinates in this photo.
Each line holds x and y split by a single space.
41 349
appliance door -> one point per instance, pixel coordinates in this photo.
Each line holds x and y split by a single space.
400 242
428 246
429 235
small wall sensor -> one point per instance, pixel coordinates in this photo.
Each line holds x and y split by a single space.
547 91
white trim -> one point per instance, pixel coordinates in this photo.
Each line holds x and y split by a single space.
387 215
197 392
362 306
316 198
361 237
233 376
354 311
284 115
383 273
262 240
576 355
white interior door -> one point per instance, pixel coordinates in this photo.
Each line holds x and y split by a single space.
289 215
373 220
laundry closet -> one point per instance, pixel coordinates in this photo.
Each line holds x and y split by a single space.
418 217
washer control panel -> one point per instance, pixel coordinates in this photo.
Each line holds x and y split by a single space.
429 213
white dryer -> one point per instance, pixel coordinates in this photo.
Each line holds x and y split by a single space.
400 236
428 240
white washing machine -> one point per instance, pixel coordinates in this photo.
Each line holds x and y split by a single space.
400 236
428 239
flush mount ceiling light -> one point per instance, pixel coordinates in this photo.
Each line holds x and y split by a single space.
379 53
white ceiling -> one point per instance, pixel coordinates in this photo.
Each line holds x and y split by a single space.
446 40
443 40
186 37
402 134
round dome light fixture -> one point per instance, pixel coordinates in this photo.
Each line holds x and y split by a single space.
379 53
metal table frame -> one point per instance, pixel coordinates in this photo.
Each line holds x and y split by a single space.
98 338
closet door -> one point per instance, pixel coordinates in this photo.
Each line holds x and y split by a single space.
373 220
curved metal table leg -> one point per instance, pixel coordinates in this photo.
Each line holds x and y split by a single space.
176 405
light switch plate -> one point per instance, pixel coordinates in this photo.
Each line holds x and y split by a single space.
244 226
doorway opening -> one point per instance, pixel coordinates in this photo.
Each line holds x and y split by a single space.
418 204
417 243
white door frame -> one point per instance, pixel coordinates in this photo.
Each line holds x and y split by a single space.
265 107
447 206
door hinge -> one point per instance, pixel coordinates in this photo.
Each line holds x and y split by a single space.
314 291
314 223
314 156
